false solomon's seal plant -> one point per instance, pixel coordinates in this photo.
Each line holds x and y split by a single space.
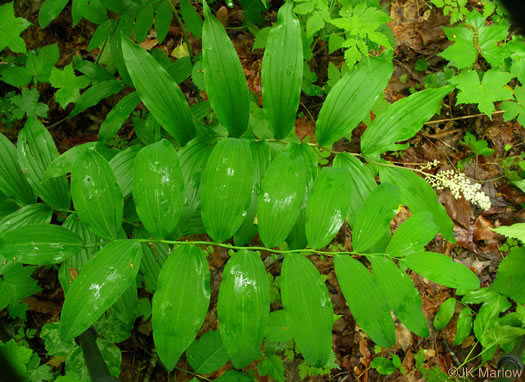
232 184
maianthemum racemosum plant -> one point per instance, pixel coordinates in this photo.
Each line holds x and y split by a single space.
234 182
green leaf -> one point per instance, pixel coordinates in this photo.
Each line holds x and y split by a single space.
225 81
464 326
412 236
15 284
163 17
63 164
419 196
516 231
226 188
36 151
122 167
12 181
40 65
207 354
488 316
95 94
38 213
115 45
17 76
180 303
515 109
272 366
117 116
485 93
102 33
327 206
373 219
282 195
193 159
401 294
99 285
442 270
277 329
76 364
158 188
55 345
234 376
153 258
510 279
462 53
96 195
314 24
68 84
365 300
17 356
261 160
445 313
351 99
27 104
40 244
159 92
261 38
401 121
308 308
282 72
243 307
362 182
191 18
49 11
10 29
143 22
499 335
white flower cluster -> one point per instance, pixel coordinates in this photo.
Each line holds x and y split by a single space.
458 185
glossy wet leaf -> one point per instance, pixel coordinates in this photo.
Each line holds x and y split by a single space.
39 244
225 81
122 167
159 92
70 268
351 99
282 72
99 285
158 188
207 354
282 195
373 219
12 182
261 160
63 164
36 150
243 307
308 309
418 195
445 313
412 236
401 121
226 187
327 206
400 294
442 270
362 182
365 300
117 116
180 303
96 194
463 326
38 213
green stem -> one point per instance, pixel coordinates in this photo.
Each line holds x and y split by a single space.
183 29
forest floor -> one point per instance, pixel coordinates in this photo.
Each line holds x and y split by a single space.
418 35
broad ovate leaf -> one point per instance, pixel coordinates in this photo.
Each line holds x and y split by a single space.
96 194
12 181
327 206
36 150
122 167
351 99
401 121
282 195
243 307
510 279
100 283
365 300
308 307
442 270
158 188
39 244
226 187
400 293
63 164
37 213
282 72
445 313
413 235
117 116
159 92
373 219
225 81
180 303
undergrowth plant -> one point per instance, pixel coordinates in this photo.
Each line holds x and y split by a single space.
124 217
